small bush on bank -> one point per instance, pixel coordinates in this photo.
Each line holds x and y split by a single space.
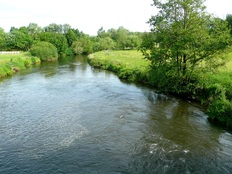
220 111
45 51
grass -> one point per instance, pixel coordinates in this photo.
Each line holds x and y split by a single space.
128 65
11 63
7 57
223 77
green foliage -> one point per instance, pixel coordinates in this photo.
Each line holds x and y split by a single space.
105 43
69 51
45 51
71 37
220 111
18 39
83 45
229 20
2 39
122 39
77 47
33 29
54 28
101 33
133 41
185 37
5 70
57 39
66 28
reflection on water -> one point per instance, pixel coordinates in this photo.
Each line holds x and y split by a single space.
65 117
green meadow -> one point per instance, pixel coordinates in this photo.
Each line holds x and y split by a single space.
128 65
12 63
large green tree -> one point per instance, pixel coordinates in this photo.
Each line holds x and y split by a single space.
185 37
34 29
105 43
83 45
56 28
18 39
71 37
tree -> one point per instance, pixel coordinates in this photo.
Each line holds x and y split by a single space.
101 33
229 20
77 47
105 43
71 37
33 29
121 37
66 28
185 36
55 28
133 41
83 45
18 39
45 51
57 39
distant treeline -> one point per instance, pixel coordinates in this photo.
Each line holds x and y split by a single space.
68 40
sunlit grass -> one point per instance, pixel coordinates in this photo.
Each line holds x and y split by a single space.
7 57
132 59
11 63
127 64
224 75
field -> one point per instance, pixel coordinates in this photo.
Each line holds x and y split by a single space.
128 65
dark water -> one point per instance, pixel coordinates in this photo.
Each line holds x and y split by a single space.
68 118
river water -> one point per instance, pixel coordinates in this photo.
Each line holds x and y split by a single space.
66 117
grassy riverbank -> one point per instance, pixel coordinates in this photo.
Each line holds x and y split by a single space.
12 63
128 65
213 89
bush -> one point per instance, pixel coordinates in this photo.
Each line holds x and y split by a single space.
45 51
220 111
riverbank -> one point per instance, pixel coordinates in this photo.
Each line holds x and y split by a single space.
128 65
212 89
12 63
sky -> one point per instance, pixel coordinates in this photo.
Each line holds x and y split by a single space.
89 15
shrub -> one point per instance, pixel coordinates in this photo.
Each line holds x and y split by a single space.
220 111
45 51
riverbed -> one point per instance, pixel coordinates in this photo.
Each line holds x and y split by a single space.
66 117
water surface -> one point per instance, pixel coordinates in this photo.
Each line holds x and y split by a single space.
66 117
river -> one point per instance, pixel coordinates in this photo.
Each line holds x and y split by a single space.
67 117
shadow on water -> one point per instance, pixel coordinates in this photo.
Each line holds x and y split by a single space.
180 140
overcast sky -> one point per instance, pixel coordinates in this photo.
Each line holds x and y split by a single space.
89 15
